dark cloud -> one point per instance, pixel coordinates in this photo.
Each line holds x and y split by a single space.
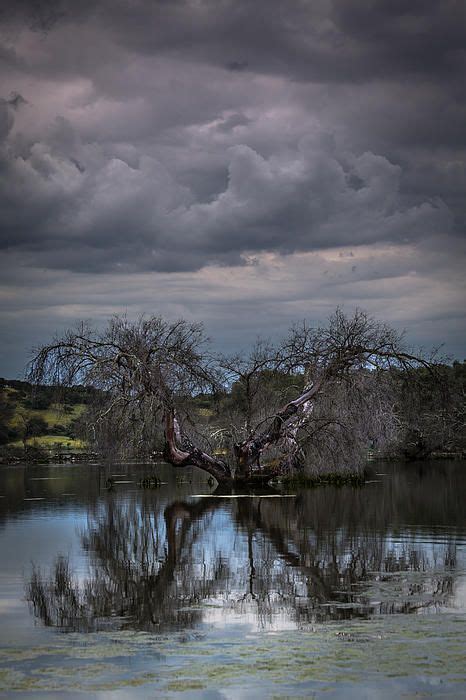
174 138
340 40
96 213
15 100
237 65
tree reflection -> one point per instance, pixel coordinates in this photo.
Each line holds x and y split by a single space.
323 555
143 574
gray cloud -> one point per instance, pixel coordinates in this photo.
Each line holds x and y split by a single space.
93 212
326 40
181 138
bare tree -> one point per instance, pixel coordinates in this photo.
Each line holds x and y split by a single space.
151 369
145 369
348 359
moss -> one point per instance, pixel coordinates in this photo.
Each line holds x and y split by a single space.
183 686
89 671
347 657
330 478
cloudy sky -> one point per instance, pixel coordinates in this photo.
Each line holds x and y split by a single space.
247 163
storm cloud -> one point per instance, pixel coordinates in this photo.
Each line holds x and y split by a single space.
313 151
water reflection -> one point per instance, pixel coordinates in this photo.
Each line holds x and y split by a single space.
143 571
158 563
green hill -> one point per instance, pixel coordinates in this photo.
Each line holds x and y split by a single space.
42 416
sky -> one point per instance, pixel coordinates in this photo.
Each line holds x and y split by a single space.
243 163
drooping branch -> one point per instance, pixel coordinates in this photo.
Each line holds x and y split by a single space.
250 450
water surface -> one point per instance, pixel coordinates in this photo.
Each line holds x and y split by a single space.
118 590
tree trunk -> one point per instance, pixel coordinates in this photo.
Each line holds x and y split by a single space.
247 453
194 457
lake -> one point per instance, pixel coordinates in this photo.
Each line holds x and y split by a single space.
119 589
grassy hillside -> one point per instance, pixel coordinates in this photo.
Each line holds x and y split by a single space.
52 416
41 416
51 442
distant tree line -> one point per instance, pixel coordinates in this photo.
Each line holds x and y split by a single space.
431 412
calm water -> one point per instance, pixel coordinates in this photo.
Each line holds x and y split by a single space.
123 591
